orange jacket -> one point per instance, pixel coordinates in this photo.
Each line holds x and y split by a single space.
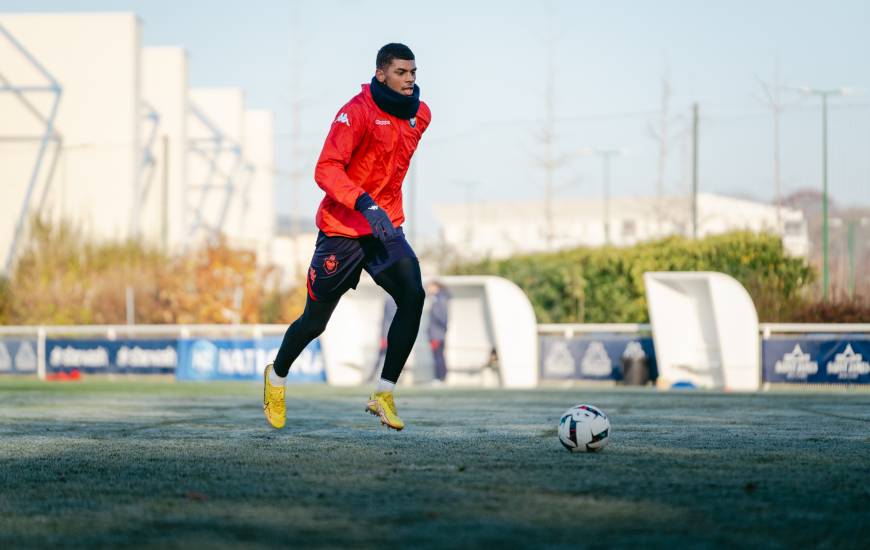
367 150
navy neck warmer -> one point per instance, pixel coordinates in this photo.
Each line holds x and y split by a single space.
399 105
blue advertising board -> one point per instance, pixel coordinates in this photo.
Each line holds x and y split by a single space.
592 356
18 356
103 356
243 359
817 359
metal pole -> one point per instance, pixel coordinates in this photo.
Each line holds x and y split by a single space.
851 245
606 158
776 168
165 207
550 162
131 306
694 170
25 206
825 270
40 352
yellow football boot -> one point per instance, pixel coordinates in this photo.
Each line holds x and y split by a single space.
274 406
381 404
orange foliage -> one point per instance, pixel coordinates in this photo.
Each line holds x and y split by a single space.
61 278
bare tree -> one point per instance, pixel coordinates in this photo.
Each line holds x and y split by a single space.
773 102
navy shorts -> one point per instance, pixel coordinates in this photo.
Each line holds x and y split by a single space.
338 262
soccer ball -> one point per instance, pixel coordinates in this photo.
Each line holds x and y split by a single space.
584 428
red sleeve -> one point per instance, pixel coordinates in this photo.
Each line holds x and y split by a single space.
348 129
424 115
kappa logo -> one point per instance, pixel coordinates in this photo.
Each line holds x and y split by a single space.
343 119
382 122
312 274
330 264
413 122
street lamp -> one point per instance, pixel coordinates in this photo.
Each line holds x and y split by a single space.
824 94
605 155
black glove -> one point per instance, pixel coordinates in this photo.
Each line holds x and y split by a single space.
382 227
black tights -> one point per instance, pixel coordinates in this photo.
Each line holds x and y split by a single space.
402 281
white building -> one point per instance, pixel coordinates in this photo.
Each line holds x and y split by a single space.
106 134
501 229
69 122
163 178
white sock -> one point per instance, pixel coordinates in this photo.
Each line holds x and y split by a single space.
276 380
385 385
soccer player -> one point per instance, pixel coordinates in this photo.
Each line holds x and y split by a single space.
361 169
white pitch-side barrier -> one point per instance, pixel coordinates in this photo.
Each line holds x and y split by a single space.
491 336
705 330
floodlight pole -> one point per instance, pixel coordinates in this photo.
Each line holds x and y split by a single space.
606 155
694 170
824 94
850 244
825 245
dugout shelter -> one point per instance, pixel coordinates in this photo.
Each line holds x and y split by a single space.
491 337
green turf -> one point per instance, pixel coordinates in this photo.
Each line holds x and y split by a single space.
187 465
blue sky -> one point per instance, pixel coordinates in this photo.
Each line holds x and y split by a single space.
483 70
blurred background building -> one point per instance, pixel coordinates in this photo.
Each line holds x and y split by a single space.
97 130
161 125
502 229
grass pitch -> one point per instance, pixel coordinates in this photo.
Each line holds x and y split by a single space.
187 465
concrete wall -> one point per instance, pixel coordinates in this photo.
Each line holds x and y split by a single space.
133 159
95 59
215 164
252 215
164 88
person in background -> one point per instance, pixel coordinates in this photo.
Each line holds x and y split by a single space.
437 332
389 313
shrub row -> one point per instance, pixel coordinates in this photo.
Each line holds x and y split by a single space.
605 285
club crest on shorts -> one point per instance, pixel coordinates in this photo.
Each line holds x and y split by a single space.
413 122
330 264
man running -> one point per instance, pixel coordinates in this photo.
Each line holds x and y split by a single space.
361 169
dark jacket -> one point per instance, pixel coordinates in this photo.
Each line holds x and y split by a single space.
438 315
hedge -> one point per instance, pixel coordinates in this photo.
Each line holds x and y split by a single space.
605 285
